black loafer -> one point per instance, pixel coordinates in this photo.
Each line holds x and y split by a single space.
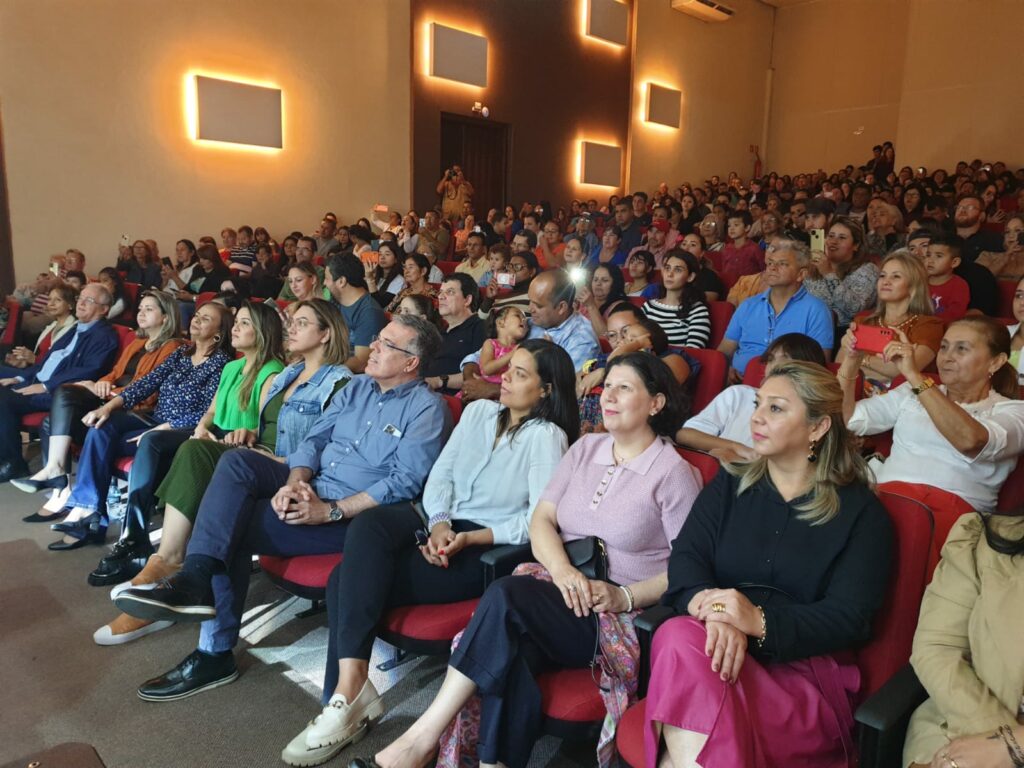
123 563
90 535
196 673
28 485
177 599
56 517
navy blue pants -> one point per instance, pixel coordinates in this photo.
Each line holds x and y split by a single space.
384 568
520 628
12 407
234 522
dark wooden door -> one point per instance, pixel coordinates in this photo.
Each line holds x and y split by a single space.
481 148
6 245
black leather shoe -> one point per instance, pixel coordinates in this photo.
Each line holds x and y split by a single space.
196 673
91 530
124 562
177 598
28 485
12 469
35 517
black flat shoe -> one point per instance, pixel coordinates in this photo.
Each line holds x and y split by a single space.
28 485
35 517
92 536
71 527
125 560
196 673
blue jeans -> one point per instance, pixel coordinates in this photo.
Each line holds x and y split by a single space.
235 521
103 446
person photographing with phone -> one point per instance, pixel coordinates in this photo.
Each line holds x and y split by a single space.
903 304
969 424
455 192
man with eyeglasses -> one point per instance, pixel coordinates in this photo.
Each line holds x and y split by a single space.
373 446
786 307
457 304
86 354
968 216
524 268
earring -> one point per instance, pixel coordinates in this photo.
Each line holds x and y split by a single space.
812 455
216 339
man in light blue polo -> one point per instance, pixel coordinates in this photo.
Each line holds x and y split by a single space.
786 307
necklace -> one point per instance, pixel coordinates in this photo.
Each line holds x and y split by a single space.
619 460
902 324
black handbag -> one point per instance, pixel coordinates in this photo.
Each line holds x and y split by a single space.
589 556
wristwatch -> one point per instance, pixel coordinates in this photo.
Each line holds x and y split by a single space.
335 514
444 381
925 384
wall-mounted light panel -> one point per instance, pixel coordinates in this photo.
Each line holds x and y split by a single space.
663 105
600 164
233 112
458 55
608 21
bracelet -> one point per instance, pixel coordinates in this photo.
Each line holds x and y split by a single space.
629 597
1012 746
764 628
847 378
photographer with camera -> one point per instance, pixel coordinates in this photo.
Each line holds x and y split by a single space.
455 192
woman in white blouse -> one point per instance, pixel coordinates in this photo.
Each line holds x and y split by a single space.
480 494
963 436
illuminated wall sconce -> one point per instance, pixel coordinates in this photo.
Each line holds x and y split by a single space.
663 105
600 164
245 115
607 21
458 55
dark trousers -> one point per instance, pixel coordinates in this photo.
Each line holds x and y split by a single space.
520 628
70 404
383 568
153 458
235 521
12 407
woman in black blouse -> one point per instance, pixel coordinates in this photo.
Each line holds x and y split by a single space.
782 562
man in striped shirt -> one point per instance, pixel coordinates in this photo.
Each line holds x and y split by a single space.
243 255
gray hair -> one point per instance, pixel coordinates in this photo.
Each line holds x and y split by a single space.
427 343
799 248
103 295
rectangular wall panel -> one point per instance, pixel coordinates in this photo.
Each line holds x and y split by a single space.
457 55
608 20
663 105
600 164
238 113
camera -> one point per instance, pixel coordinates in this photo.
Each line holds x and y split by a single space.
578 275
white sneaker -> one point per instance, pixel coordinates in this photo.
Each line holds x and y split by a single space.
339 725
124 585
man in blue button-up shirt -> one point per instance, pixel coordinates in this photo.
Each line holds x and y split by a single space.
373 446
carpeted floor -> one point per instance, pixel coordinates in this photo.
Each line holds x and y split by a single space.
57 686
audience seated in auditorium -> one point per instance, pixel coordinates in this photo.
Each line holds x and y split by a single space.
416 269
903 305
481 493
384 279
264 280
785 307
433 238
464 333
707 280
885 231
966 652
969 217
950 293
304 283
681 310
60 310
749 676
596 298
1009 263
497 264
144 268
981 283
523 268
843 276
741 255
611 250
655 242
641 267
325 243
374 446
474 264
305 249
723 427
1016 335
550 247
630 229
290 402
630 488
970 427
345 278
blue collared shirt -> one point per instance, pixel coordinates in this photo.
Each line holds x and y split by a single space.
380 443
755 325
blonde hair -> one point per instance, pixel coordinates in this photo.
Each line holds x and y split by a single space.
838 463
920 297
171 326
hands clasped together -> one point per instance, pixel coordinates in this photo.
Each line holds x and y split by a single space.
730 618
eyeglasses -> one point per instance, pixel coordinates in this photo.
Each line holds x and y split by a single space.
90 300
517 267
384 342
613 337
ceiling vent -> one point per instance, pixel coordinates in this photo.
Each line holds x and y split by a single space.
705 10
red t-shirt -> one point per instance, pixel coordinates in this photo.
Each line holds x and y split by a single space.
732 263
951 298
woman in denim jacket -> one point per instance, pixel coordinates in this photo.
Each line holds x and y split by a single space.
291 403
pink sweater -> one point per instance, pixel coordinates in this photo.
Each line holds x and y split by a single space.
637 508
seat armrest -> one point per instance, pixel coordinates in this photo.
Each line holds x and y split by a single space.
501 561
882 719
646 625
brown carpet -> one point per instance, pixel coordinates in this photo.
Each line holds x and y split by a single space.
57 686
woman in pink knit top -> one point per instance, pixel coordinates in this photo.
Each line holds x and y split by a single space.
630 488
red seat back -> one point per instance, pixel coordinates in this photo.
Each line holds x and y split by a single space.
455 406
44 345
721 314
447 267
10 334
133 289
204 297
125 336
704 463
1006 290
894 626
711 379
1011 495
754 374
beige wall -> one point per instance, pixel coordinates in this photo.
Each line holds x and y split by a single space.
940 78
94 125
962 94
720 69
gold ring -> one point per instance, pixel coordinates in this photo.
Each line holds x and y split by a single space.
952 763
718 607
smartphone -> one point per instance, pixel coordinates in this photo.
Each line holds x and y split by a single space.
873 339
818 240
125 240
370 257
423 222
578 275
55 267
506 279
380 208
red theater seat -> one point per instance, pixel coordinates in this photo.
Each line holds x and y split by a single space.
711 380
721 314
